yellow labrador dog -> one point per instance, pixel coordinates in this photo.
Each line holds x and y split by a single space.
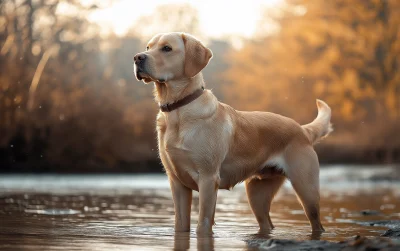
206 145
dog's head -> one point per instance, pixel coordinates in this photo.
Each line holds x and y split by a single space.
171 56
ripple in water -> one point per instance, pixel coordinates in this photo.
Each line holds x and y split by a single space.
132 218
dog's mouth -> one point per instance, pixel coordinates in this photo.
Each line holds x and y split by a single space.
141 75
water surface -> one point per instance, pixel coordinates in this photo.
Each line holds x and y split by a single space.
127 212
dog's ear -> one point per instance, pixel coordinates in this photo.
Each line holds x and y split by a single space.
197 55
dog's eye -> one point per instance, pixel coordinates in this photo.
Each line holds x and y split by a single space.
147 48
166 48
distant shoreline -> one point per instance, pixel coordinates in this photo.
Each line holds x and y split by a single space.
142 167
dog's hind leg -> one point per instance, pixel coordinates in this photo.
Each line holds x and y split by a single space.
260 193
303 172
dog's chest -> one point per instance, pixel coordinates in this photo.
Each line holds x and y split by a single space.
175 146
173 135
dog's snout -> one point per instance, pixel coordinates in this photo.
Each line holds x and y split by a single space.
139 57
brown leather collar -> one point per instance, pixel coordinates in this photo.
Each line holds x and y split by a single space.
186 100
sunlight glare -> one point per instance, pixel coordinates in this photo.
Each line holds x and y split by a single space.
217 18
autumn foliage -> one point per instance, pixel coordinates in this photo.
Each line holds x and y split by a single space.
346 53
69 99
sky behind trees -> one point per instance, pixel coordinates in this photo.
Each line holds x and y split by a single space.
216 19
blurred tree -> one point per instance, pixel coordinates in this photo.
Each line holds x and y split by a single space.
31 31
213 73
63 100
345 52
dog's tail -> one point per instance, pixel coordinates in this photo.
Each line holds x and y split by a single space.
321 126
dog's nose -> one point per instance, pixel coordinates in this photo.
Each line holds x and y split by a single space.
139 57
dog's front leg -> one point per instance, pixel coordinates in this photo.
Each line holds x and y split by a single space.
208 189
182 197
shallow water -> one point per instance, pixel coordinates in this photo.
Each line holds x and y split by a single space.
136 212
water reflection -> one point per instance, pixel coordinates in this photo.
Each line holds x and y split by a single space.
205 243
143 218
182 241
316 235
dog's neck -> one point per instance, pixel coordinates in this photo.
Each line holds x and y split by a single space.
174 90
